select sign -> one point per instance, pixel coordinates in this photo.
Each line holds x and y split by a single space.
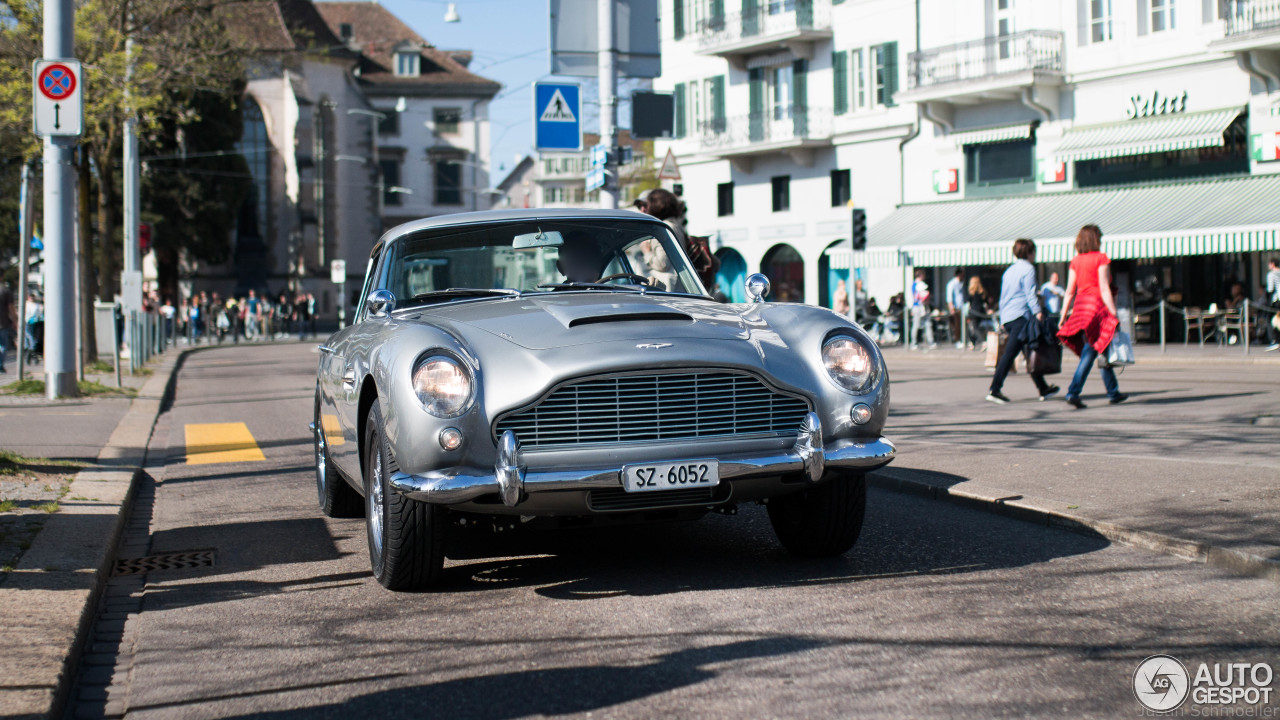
58 97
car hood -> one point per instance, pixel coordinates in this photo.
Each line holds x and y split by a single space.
571 319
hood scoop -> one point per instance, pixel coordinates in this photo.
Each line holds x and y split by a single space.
645 316
574 314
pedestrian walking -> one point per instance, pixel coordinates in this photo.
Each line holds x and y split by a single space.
1089 314
979 322
840 299
1051 295
1273 294
1021 315
920 311
955 304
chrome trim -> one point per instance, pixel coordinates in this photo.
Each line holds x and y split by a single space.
757 286
381 302
509 471
809 447
451 486
349 380
326 349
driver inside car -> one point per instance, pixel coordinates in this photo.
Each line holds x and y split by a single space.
580 259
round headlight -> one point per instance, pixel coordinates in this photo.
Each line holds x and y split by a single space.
848 363
443 386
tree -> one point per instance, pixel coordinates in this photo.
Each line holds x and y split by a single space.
193 184
180 49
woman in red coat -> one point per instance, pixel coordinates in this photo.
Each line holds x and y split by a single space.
1089 314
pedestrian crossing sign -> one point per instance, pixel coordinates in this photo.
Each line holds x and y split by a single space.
557 115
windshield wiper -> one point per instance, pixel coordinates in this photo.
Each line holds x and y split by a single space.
591 286
463 293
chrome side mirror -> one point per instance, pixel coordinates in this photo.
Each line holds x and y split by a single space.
757 287
381 303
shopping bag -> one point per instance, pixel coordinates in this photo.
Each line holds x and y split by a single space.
994 348
1046 359
1119 352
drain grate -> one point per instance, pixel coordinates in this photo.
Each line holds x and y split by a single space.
170 561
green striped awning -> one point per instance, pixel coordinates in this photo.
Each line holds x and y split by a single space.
1232 215
1181 131
1004 133
873 259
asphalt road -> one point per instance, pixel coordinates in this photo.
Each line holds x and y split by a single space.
939 610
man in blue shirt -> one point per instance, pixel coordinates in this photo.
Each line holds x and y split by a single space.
1051 295
955 304
1019 304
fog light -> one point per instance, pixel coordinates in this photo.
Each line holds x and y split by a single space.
861 414
451 438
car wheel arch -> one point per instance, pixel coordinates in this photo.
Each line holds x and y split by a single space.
368 396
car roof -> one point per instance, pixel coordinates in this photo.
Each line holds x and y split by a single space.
516 215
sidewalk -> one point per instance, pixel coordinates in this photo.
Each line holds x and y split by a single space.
50 597
951 447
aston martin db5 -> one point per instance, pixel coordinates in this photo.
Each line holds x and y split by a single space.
558 367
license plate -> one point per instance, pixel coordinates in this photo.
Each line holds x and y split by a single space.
670 476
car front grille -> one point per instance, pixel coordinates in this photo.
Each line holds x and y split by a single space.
655 408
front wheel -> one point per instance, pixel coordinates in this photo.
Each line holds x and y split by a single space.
406 537
824 520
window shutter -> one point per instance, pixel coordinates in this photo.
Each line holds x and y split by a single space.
801 79
679 103
1083 27
840 81
677 17
717 107
1144 17
890 72
755 92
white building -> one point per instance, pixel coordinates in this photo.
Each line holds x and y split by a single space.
433 133
984 121
560 178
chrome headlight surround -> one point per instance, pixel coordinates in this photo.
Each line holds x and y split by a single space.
849 363
443 384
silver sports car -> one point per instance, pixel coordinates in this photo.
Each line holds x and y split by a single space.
556 366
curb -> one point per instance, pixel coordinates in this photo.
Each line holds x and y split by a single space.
1027 509
54 591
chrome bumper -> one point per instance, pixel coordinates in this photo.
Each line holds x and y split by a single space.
511 479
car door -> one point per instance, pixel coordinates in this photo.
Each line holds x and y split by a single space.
341 365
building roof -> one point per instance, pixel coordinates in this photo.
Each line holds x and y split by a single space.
376 34
280 26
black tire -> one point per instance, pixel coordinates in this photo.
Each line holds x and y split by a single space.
337 498
406 537
824 520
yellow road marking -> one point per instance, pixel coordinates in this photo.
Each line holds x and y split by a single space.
332 430
221 443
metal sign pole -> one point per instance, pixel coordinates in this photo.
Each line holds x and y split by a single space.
24 250
608 84
59 200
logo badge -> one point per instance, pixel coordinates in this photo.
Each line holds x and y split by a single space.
1161 683
653 346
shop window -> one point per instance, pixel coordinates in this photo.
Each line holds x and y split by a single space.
999 168
724 199
781 193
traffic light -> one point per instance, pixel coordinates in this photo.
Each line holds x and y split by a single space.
859 229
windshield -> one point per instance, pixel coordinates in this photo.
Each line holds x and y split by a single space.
587 255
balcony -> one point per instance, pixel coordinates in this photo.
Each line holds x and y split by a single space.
794 130
1251 29
1025 66
776 24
